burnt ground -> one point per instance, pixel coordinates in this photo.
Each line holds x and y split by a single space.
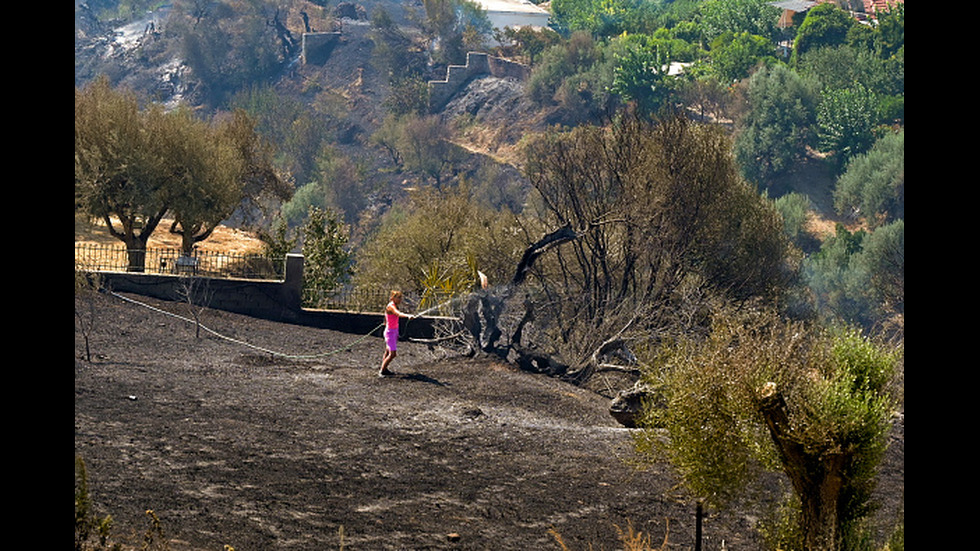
232 445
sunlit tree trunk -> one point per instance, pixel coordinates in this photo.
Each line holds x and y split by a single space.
817 476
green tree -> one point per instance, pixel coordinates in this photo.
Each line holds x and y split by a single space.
755 17
206 181
133 166
824 25
828 274
760 393
846 122
873 184
879 273
439 232
890 30
120 166
844 66
734 55
559 62
528 43
327 260
795 210
774 132
419 144
596 17
642 76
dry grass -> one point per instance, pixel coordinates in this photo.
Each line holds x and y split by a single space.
631 538
224 239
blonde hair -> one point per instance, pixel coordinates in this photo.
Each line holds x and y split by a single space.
395 294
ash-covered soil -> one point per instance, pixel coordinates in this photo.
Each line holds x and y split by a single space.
270 436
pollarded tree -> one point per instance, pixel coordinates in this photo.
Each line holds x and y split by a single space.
763 393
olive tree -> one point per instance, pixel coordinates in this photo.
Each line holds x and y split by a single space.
204 183
762 393
873 185
120 165
135 164
439 232
419 144
774 132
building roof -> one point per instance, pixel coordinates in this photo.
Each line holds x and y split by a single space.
874 6
511 6
794 5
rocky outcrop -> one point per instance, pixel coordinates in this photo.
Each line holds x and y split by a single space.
628 405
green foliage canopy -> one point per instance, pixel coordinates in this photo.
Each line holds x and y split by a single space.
873 185
133 165
846 122
120 168
439 232
824 25
781 109
327 260
755 17
763 393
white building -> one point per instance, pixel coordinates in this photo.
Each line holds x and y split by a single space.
514 13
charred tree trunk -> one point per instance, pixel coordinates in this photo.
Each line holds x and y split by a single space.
532 253
481 316
285 37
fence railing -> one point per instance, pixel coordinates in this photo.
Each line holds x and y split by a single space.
172 261
115 258
354 299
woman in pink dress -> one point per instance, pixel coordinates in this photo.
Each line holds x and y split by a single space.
392 313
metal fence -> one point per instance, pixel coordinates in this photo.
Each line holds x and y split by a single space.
354 299
117 258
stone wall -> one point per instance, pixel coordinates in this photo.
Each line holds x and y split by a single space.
477 64
317 47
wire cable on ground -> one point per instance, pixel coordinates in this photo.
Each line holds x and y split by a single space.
243 343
